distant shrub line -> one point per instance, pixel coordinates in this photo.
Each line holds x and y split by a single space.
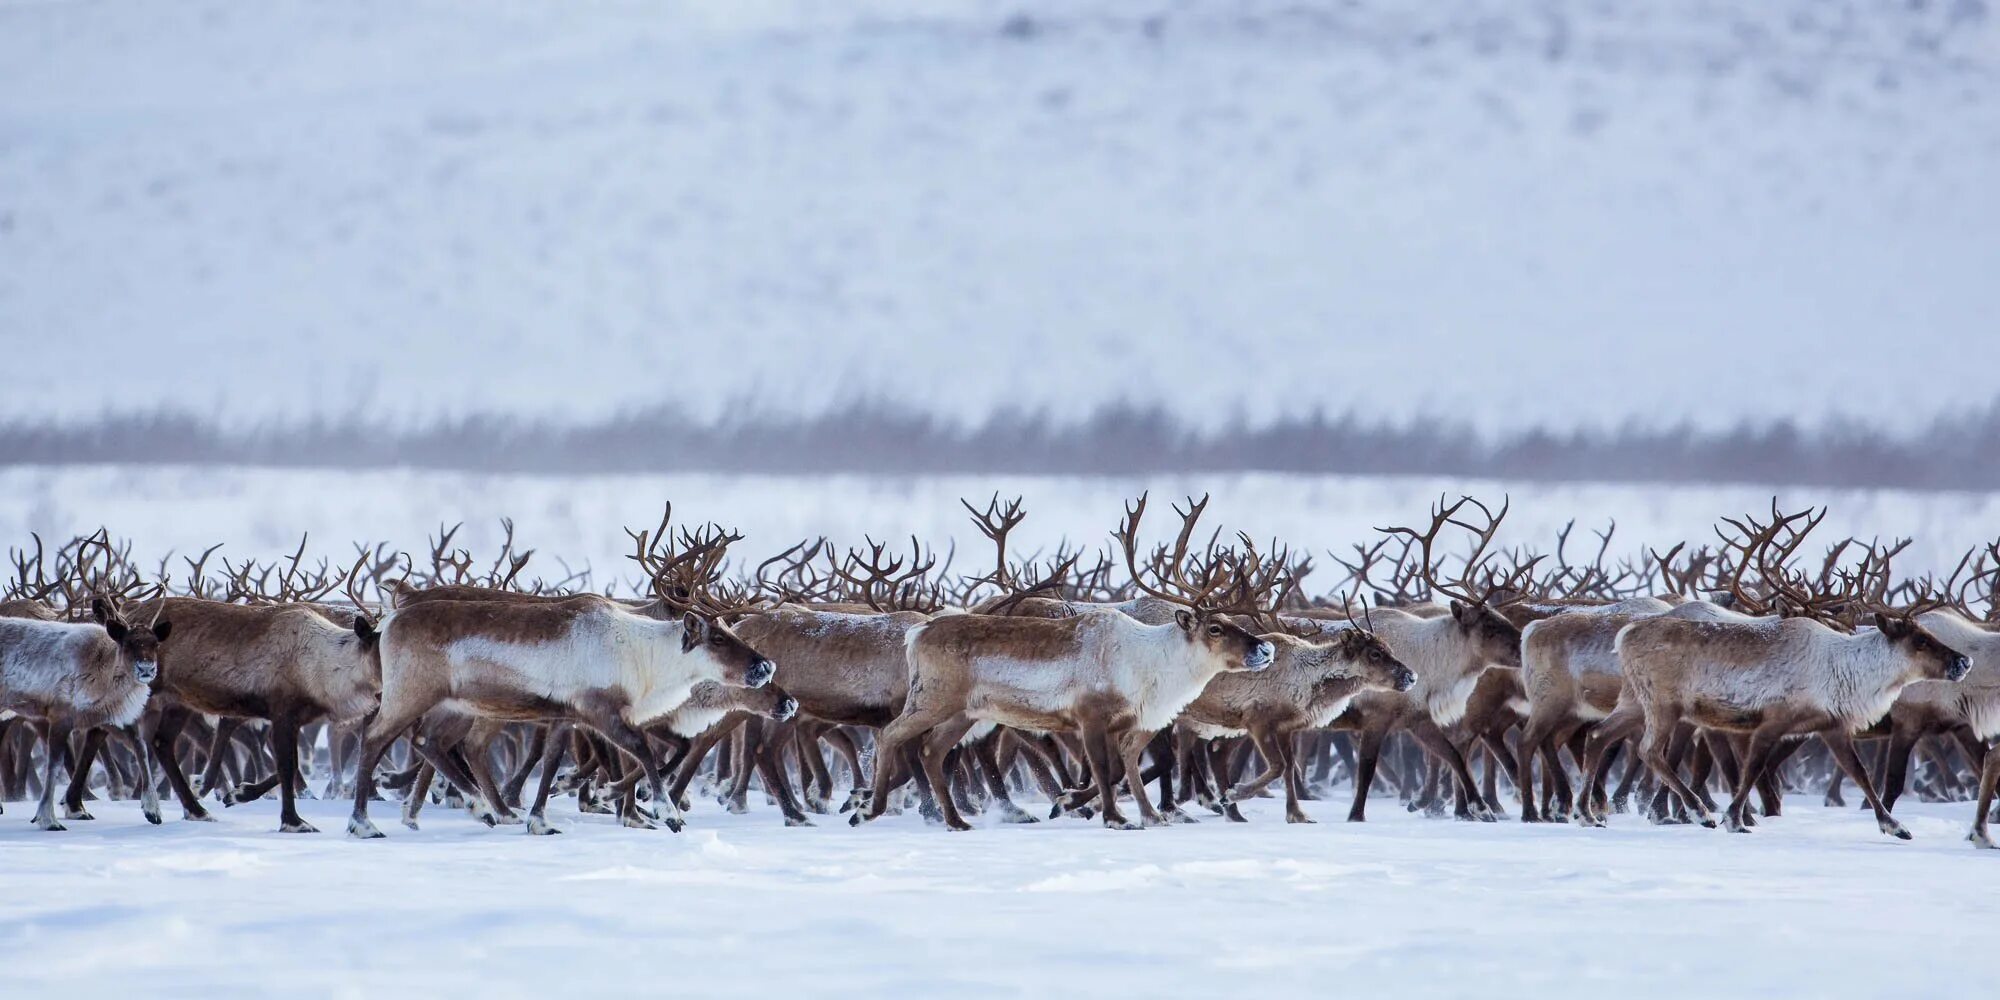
1957 452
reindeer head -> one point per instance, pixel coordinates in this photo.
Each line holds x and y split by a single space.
138 648
1497 639
1935 660
769 701
737 664
1379 667
1236 647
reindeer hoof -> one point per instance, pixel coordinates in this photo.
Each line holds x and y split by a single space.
300 826
1180 818
538 826
77 814
797 821
1895 829
1708 820
362 829
1981 839
674 824
1233 814
1299 818
856 818
197 816
153 817
1122 824
410 821
50 825
1011 813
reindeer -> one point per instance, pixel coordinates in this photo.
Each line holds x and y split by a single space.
1307 685
289 664
1804 673
1447 649
1100 673
584 659
70 675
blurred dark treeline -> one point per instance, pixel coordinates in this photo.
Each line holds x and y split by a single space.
1955 452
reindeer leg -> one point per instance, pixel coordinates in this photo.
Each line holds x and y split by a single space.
920 716
1662 725
1274 768
1431 738
691 764
1097 748
1131 749
164 737
538 744
1842 747
553 746
55 735
1989 780
79 775
996 780
1757 757
149 791
285 746
1366 755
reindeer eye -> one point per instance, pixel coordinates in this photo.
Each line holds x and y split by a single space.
1215 630
715 637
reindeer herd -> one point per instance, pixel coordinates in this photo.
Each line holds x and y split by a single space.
1708 681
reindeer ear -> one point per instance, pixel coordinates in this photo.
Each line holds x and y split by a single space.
162 629
1458 610
691 630
364 628
115 629
1882 623
1185 619
99 610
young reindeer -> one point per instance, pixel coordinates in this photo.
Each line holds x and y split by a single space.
587 659
1100 673
76 675
1777 680
1309 683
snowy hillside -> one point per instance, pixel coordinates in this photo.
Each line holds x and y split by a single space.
1549 212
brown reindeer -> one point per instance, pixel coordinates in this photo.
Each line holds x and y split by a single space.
1308 684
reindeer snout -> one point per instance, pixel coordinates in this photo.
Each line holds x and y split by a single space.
146 670
787 707
1260 657
760 673
1957 667
1405 679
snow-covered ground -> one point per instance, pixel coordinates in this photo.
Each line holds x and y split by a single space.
261 512
1813 904
1548 212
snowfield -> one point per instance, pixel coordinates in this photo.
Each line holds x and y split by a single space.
1545 213
1815 903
